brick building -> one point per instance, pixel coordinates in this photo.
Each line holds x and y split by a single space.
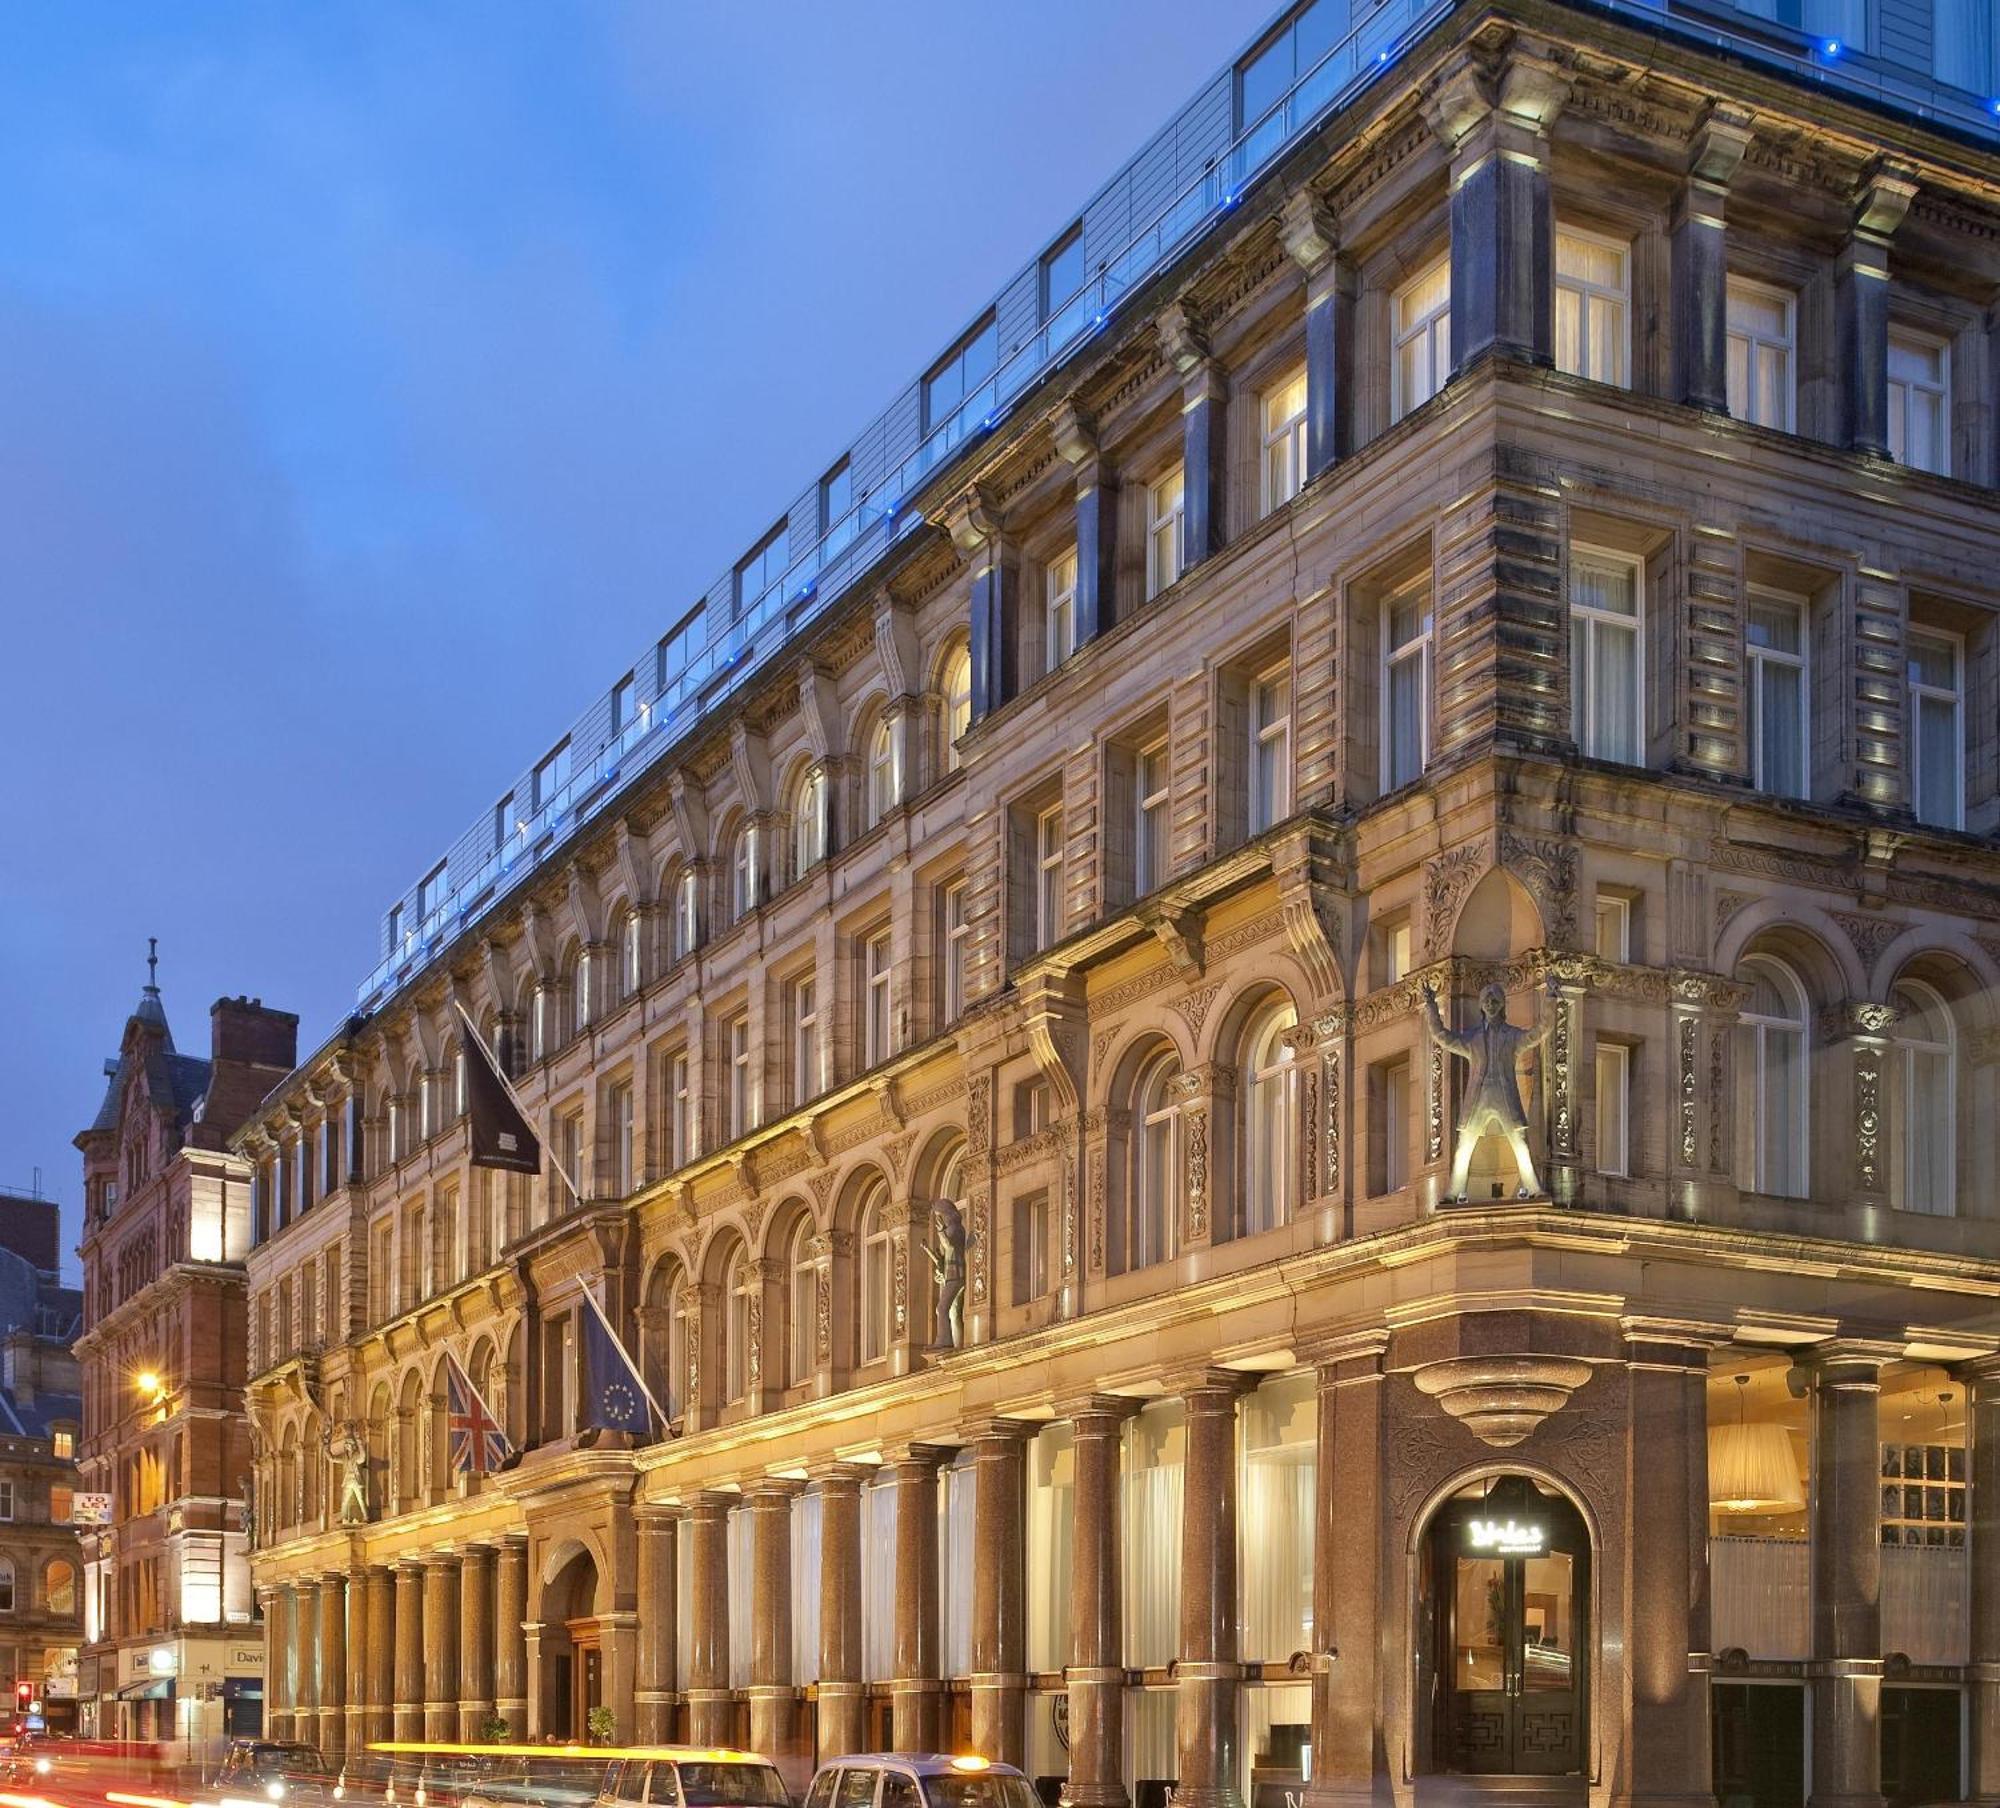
1498 494
173 1648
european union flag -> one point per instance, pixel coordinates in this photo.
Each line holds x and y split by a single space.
614 1397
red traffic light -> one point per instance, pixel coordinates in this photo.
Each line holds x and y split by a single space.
24 1694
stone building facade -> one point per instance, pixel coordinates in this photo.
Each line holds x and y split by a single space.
173 1649
1476 557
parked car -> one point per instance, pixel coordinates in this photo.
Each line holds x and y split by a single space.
276 1770
674 1776
904 1780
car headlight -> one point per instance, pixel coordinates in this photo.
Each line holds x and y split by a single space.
274 1791
43 1767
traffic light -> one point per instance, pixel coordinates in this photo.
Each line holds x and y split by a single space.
24 1696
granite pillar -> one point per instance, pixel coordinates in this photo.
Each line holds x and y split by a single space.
659 1580
379 1697
1699 261
409 1702
305 1661
1861 309
999 1589
475 1642
1309 234
1982 1420
974 525
440 1598
1208 1673
330 1666
1845 1670
278 1661
771 1692
1096 1673
1096 523
915 1688
710 1705
842 1717
355 1727
510 1643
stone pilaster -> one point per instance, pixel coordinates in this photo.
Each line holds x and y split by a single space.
440 1599
974 525
355 1731
1982 1419
1096 522
771 1690
409 1702
1096 1671
1204 402
305 1660
999 1592
331 1666
710 1704
475 1642
1310 235
915 1689
1700 260
842 1708
659 1587
379 1699
510 1645
1865 1029
1861 307
1209 1673
277 1660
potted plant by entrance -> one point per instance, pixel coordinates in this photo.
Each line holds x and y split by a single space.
601 1724
495 1731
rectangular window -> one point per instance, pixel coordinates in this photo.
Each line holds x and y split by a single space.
1593 283
1420 339
569 1151
806 1081
1406 685
1924 1495
761 570
1064 305
1049 876
964 379
1152 829
677 649
1613 928
1270 748
1299 54
957 933
1166 501
503 821
679 1108
395 927
739 1077
1775 637
1060 580
1605 654
622 1175
1398 946
6 1500
1614 1106
1965 45
624 704
1284 440
1761 353
1031 1248
877 974
430 893
836 496
551 775
1937 734
1919 401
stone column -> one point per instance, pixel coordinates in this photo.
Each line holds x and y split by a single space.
1667 1661
278 1660
510 1644
1700 260
999 1589
475 1643
1861 307
1309 234
1204 398
914 1690
974 525
379 1698
1348 1591
1208 1673
440 1599
1982 1420
710 1705
1846 1665
331 1666
1502 218
305 1661
771 1691
659 1580
1096 1673
355 1732
842 1717
409 1704
1096 522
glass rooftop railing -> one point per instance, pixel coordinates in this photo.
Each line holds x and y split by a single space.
848 548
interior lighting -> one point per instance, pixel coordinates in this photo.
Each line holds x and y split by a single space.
1750 1467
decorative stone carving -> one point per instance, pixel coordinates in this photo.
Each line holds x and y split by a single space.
1069 1230
1194 1006
1870 935
1309 1141
946 1251
1686 1101
897 1149
1501 1399
1715 1058
1867 1115
1447 879
1548 870
1195 1121
1492 1049
979 1114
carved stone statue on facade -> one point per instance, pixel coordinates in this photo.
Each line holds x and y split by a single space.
347 1447
946 1250
1492 1048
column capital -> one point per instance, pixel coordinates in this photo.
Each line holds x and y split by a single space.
772 1487
1101 1413
917 1454
1308 230
1849 1361
1183 336
1693 1337
711 1503
1883 197
1351 1355
658 1513
1719 143
838 1477
996 1430
1215 1388
972 520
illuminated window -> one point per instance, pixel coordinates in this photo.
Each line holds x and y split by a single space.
1606 657
1762 352
877 1028
1937 735
957 714
876 1255
1060 581
1593 296
1270 1090
1420 339
1284 407
1775 643
1270 748
957 934
1919 401
1925 1079
1049 876
1406 685
1166 501
1773 1042
1614 1108
1151 832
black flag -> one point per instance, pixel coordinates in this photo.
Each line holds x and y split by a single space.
500 1133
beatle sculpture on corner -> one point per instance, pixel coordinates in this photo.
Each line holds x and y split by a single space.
347 1447
947 1254
1493 1048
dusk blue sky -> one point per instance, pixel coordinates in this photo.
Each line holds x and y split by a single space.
374 378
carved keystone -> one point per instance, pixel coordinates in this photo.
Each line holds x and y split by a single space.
1501 1399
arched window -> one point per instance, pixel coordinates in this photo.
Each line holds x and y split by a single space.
801 1289
743 873
630 968
957 712
884 781
1773 1043
1150 1227
6 1584
687 916
877 1258
457 1080
741 1287
1270 1092
1925 1081
59 1589
809 822
583 992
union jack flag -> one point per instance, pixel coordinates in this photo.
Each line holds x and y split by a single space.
478 1445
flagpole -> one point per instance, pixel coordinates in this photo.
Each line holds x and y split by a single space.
465 1377
520 1104
666 1424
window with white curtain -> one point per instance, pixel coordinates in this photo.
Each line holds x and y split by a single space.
1919 401
1277 1457
1060 607
878 1578
877 1256
686 920
877 1023
1762 340
957 933
680 1101
1284 410
1420 339
741 1285
740 1078
623 1167
1606 602
808 1516
1937 734
807 1079
801 1289
740 1539
884 786
1149 1232
1772 1072
1270 748
809 822
1612 927
1925 1101
1166 501
1048 876
1051 1488
957 703
1593 306
1152 1464
1614 1108
1775 645
1269 1088
956 1547
743 873
1406 684
1151 830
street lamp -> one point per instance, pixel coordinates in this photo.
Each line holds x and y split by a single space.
150 1384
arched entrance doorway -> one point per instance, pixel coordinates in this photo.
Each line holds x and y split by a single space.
1505 1639
572 1654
